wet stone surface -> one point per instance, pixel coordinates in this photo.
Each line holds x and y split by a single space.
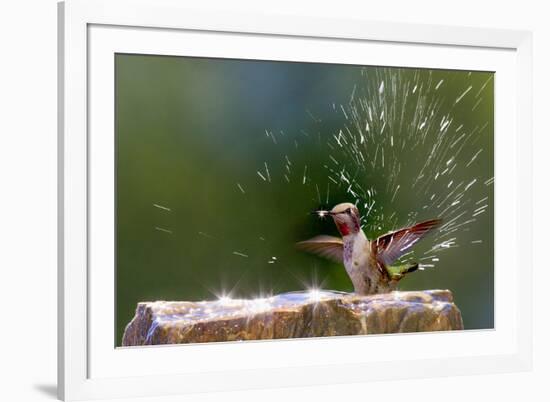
291 315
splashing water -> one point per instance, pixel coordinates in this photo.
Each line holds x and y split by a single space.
390 124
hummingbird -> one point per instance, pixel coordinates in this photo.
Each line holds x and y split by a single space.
368 263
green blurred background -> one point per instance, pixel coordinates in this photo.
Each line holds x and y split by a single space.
190 131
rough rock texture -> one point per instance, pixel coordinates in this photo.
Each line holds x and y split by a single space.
292 315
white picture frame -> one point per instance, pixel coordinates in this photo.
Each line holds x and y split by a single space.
89 365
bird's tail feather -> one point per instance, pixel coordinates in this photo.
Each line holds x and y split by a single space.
399 271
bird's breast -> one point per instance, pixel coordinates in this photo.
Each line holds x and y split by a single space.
355 254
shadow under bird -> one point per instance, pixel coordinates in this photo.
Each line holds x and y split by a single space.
367 262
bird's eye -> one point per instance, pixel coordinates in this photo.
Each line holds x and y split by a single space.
348 211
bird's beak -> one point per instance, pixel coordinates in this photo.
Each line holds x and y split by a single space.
321 213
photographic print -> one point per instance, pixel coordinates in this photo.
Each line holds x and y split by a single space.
260 200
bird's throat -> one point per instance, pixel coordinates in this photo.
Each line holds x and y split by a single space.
343 228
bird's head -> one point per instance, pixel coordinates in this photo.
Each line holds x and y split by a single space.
346 217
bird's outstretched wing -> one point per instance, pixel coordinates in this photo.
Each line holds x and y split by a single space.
329 247
389 247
